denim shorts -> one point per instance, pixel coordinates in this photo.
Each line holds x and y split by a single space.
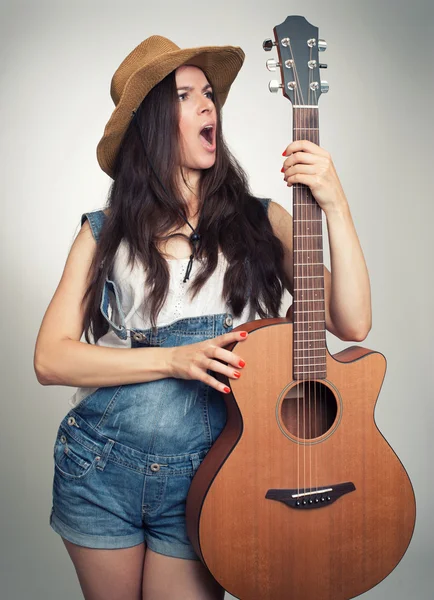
125 456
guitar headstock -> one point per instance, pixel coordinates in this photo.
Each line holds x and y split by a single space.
298 48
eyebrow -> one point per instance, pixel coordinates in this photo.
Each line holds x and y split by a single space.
189 88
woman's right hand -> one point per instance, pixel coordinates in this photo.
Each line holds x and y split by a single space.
192 360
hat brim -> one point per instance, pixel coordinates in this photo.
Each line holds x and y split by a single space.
220 63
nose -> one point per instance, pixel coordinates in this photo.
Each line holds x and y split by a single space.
205 104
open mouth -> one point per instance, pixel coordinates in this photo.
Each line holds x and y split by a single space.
207 134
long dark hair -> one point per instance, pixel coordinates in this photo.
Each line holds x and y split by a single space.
141 213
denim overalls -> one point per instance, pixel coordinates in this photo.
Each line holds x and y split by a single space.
125 456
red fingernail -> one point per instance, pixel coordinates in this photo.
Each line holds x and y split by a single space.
226 390
241 363
282 170
236 374
283 153
243 334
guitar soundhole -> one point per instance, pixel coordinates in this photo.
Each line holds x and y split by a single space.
308 410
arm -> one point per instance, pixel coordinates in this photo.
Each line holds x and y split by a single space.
60 357
346 287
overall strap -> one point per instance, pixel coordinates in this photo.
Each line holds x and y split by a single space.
96 221
111 306
265 202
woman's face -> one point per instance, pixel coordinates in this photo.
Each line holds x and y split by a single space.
197 118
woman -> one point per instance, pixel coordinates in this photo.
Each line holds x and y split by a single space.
182 254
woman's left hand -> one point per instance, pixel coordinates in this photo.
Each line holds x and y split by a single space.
311 165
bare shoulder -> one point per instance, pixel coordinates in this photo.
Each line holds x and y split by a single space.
85 233
64 317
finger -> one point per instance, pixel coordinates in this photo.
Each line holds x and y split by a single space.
214 383
300 157
219 367
305 146
303 178
225 355
232 336
306 169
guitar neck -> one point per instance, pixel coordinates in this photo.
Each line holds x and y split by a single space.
309 341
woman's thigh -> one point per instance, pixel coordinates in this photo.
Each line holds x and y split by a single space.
108 574
170 578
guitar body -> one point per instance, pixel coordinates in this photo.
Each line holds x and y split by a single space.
260 548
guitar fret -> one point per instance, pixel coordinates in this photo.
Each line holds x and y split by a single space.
309 334
313 128
320 321
308 311
305 349
307 290
307 235
320 364
309 263
308 277
308 364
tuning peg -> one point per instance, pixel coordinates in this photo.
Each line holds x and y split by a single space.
268 45
272 64
322 66
274 86
324 87
322 45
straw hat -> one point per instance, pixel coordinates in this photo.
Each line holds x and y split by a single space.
147 65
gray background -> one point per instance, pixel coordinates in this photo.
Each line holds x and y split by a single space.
57 59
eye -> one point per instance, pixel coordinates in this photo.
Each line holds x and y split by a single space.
181 96
210 95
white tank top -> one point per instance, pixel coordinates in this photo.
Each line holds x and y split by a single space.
130 282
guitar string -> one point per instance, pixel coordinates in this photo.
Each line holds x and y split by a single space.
315 137
297 210
309 353
302 216
310 254
313 126
315 123
307 122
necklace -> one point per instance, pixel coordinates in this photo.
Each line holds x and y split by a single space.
194 237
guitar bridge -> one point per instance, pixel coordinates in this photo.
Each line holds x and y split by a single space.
311 497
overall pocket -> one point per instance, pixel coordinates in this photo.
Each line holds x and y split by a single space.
72 460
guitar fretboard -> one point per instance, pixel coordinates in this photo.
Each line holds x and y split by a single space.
309 340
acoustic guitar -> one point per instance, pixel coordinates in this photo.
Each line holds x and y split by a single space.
301 497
